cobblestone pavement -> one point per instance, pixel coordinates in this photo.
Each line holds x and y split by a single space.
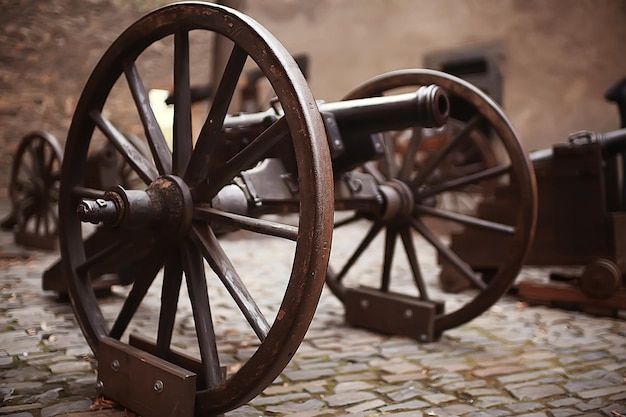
513 360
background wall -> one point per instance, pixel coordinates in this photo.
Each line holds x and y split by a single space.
558 57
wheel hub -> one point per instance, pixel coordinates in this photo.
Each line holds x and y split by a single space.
165 206
399 202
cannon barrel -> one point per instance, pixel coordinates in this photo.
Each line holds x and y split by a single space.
426 107
612 142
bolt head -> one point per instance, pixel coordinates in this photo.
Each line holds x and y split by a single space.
158 385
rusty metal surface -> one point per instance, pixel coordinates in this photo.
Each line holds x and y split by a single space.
392 313
144 383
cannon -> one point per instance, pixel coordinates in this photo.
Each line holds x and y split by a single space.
580 226
391 160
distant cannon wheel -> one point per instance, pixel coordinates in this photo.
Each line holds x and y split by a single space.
163 234
446 174
34 190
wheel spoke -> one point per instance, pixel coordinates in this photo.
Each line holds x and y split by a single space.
182 104
40 158
408 161
466 220
458 183
246 158
148 270
49 165
199 296
172 280
432 163
460 265
199 164
156 141
348 220
142 166
391 165
219 262
371 234
390 246
261 226
411 254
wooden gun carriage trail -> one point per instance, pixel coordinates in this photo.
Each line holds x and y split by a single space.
407 155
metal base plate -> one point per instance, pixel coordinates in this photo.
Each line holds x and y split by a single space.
392 313
143 383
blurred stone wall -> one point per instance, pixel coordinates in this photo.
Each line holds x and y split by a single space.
558 57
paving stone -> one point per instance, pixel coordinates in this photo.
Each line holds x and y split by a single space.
66 407
415 376
307 375
347 398
352 386
529 376
595 404
524 407
277 399
564 412
536 392
439 398
14 409
497 370
365 406
295 407
602 392
451 410
562 402
68 367
489 401
407 405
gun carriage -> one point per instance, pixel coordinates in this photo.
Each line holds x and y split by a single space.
293 173
580 221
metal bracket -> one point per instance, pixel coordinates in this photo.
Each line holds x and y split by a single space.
144 383
392 313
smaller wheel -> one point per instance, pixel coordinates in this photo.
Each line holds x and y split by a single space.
601 279
34 190
443 176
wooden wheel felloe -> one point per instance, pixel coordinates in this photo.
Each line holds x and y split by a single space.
164 233
477 157
34 190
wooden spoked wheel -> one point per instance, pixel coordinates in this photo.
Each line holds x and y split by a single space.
466 163
164 233
34 190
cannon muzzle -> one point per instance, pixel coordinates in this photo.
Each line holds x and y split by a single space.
426 107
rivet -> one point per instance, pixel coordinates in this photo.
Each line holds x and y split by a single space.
99 386
365 303
408 313
115 365
158 385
